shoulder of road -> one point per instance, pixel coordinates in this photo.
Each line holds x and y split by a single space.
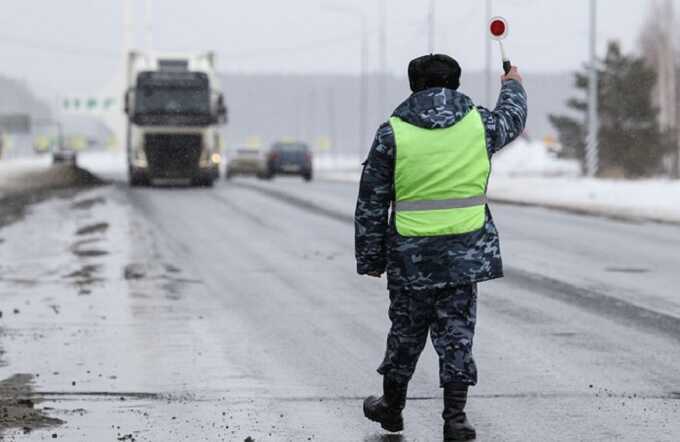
652 200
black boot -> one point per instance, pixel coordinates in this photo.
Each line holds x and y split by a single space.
387 409
456 425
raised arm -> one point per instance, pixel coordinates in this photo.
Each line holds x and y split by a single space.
373 204
507 121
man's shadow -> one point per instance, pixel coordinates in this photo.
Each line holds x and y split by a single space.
385 438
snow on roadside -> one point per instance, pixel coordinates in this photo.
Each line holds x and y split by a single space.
526 173
33 174
523 158
15 173
657 200
107 164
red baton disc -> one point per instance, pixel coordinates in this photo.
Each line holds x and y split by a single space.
497 28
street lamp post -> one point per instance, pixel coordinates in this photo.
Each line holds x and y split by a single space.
431 27
487 19
148 25
592 147
363 86
363 93
382 44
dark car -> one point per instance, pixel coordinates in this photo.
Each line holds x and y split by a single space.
64 156
290 158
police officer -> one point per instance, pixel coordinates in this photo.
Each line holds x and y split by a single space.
422 218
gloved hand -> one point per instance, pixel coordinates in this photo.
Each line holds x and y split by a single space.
512 75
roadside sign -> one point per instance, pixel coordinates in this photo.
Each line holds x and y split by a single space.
89 104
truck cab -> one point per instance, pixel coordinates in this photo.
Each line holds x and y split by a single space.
175 112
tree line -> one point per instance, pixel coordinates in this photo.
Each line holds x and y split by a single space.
635 140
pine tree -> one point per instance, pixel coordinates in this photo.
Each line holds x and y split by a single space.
631 141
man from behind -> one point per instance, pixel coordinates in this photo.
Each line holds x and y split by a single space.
422 218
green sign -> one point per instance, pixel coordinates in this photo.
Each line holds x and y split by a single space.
90 104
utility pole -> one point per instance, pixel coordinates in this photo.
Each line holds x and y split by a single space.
363 80
592 147
333 155
128 28
363 92
148 25
487 19
431 27
666 77
311 123
668 58
383 76
331 119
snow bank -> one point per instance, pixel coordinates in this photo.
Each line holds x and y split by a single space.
25 175
110 165
526 173
523 158
657 200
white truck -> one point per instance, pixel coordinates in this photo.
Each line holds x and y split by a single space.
175 110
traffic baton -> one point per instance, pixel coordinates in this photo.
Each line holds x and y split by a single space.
498 28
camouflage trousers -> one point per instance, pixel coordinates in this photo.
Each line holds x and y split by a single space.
449 316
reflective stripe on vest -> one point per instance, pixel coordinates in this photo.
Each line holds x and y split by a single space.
441 177
415 206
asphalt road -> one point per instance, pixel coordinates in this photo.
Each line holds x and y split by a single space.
218 314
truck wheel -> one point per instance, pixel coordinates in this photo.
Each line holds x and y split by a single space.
203 182
307 177
137 180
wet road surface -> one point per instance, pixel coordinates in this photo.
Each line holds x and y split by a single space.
234 312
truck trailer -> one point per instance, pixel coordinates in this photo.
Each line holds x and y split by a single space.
175 110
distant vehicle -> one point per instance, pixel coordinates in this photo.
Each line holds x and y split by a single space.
247 162
65 156
290 158
175 110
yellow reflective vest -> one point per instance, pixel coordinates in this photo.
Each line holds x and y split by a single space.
441 177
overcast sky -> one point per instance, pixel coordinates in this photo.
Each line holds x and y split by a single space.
74 46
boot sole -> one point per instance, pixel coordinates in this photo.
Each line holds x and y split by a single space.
462 436
391 426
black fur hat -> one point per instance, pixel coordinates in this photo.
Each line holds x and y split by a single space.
434 70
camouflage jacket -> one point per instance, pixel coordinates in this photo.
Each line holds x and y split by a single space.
430 262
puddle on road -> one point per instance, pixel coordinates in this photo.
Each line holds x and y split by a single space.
93 229
89 253
88 203
638 270
164 278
